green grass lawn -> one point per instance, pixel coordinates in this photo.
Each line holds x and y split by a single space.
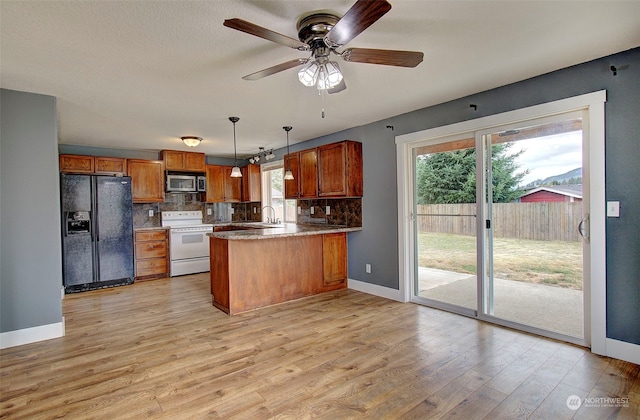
548 262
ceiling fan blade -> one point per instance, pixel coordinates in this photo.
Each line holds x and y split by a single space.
386 57
269 35
275 69
361 15
341 86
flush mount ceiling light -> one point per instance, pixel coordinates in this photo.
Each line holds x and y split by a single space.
191 141
288 175
262 154
235 171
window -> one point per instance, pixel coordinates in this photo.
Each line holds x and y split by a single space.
273 194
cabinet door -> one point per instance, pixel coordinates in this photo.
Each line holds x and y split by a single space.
251 189
194 161
308 183
334 259
332 170
147 180
173 159
340 169
111 166
232 187
215 183
291 190
77 164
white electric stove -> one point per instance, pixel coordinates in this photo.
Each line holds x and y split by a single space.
188 242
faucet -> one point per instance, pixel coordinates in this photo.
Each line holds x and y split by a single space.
269 220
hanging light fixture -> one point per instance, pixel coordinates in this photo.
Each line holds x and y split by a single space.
235 171
191 141
262 154
288 175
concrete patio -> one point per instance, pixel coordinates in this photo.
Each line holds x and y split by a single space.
552 308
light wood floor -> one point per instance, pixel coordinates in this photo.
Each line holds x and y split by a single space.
158 349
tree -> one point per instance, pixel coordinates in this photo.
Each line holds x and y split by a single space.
450 177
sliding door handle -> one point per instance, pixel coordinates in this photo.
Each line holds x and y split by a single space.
583 227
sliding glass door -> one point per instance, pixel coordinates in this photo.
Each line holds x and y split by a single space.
499 226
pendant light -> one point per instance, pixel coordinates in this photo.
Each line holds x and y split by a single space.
288 175
235 171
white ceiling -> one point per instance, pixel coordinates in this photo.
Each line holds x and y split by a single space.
140 74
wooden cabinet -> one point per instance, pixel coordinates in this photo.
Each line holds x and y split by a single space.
176 160
221 187
251 188
334 259
340 169
305 173
151 253
110 166
147 180
77 164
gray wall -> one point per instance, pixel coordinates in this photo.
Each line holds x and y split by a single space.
31 252
377 243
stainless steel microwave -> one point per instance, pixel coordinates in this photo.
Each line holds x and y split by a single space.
182 183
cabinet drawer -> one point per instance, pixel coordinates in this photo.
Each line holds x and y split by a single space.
151 267
151 235
151 250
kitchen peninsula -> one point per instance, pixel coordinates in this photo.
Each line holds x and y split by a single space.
261 265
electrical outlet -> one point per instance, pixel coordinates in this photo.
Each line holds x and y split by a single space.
151 213
255 210
208 212
299 210
367 268
311 209
328 210
232 210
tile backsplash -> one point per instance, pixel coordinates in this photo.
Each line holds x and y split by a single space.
220 212
342 211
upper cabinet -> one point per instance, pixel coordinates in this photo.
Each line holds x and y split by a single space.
251 190
93 165
147 180
221 187
77 164
304 166
340 169
175 160
110 166
332 170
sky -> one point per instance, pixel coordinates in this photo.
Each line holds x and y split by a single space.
550 155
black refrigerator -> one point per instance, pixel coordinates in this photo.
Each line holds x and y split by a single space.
97 232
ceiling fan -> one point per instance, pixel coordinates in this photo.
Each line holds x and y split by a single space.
323 33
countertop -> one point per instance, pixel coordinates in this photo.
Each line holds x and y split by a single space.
267 231
150 228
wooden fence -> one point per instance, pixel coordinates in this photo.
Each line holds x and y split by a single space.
537 221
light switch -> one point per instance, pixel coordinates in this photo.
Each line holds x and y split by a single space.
613 209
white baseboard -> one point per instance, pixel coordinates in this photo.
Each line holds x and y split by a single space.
624 351
374 289
31 335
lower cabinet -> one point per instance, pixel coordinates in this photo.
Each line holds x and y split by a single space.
334 259
151 253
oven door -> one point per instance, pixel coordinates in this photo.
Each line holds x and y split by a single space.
186 243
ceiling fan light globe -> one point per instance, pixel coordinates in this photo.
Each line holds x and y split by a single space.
329 75
308 75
